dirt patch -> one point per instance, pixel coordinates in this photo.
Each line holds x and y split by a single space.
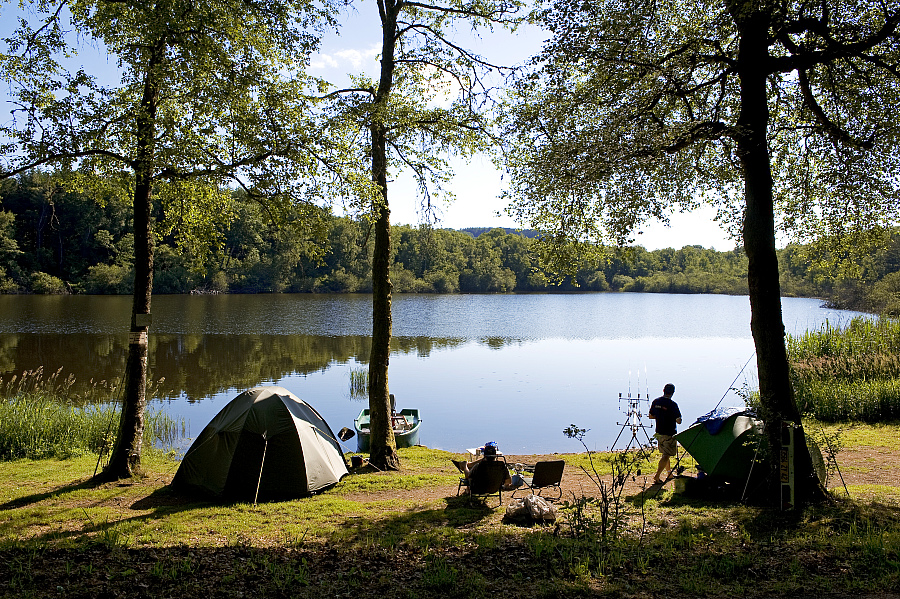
860 466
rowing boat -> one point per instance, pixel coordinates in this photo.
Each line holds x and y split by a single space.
406 428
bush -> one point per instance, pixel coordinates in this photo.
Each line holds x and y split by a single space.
46 284
7 285
109 279
885 295
620 282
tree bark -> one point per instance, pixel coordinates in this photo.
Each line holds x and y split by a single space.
125 460
766 322
382 445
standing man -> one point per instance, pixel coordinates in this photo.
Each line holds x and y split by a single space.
667 415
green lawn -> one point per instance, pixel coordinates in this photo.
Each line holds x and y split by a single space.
373 536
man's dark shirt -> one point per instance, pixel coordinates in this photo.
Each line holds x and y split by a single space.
666 412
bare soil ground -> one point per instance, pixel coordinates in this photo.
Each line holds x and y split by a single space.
858 467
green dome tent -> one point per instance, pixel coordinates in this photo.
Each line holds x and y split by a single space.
724 442
265 444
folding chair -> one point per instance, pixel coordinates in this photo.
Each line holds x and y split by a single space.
547 475
486 479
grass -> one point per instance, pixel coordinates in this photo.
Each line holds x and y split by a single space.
41 417
359 383
372 534
849 373
367 537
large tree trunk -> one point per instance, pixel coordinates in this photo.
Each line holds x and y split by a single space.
766 323
382 445
125 460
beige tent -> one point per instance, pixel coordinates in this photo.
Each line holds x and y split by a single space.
265 444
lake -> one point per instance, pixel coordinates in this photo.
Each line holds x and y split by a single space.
515 369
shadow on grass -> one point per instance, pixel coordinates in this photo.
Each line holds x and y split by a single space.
162 502
391 530
20 502
244 571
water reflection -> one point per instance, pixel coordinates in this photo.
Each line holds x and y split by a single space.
515 369
196 366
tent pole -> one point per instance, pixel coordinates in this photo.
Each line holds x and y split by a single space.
263 463
749 474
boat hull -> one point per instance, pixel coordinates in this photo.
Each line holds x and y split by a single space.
404 436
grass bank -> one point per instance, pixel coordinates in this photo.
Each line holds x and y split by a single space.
406 534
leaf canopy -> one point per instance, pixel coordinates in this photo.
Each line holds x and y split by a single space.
632 110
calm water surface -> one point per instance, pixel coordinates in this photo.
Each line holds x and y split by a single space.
515 369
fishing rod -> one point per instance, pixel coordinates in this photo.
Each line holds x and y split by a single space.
730 387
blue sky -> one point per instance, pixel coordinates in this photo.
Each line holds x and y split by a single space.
478 184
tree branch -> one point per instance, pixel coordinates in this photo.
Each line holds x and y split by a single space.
64 156
349 90
830 127
494 16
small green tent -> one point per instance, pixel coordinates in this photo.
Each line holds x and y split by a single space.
265 444
724 443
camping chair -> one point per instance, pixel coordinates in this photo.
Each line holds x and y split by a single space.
547 475
486 479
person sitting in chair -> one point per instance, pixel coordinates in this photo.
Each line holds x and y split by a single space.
489 454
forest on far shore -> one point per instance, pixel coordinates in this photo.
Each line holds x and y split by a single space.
54 240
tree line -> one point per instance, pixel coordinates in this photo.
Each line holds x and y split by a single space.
54 239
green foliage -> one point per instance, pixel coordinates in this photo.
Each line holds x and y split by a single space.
857 272
36 426
849 373
46 284
43 416
633 111
249 253
109 279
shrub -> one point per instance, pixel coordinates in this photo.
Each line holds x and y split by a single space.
46 284
109 279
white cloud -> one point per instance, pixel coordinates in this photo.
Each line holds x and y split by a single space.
322 61
347 59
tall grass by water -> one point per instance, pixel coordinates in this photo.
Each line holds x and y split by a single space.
849 373
39 418
359 383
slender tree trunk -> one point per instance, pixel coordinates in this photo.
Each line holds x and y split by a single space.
766 322
382 445
125 460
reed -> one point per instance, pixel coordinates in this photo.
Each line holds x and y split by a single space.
861 336
359 383
55 385
849 373
41 417
861 401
